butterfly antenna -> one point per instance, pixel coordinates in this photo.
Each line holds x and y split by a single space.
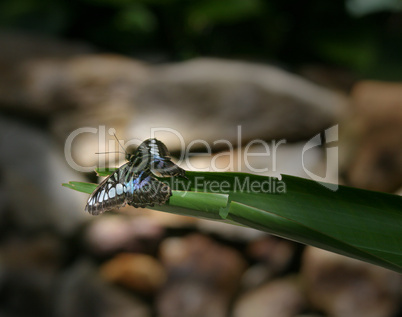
109 152
125 152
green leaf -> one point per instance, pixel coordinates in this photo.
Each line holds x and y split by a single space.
87 188
211 12
361 224
105 171
135 17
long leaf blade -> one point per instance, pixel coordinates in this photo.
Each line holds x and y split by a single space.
358 223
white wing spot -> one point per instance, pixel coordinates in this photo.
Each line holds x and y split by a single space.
119 189
112 192
101 196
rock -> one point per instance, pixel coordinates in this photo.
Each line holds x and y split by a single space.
43 250
268 158
377 164
229 232
344 287
336 78
377 100
171 100
28 266
276 253
26 292
96 91
256 275
18 57
374 136
172 221
4 221
191 298
266 102
110 234
81 292
239 101
220 265
32 170
81 91
101 79
203 276
281 297
139 272
17 46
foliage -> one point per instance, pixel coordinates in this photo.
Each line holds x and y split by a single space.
357 223
353 34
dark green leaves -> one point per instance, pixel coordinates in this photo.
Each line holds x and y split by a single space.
357 223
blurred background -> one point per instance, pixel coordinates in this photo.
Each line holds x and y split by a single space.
281 70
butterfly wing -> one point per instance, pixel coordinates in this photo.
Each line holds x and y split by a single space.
157 156
110 193
129 185
134 183
145 190
166 168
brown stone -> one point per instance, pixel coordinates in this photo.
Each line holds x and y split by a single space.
110 234
275 252
138 272
282 297
219 264
203 277
374 137
344 287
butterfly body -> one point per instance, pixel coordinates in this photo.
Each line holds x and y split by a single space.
134 183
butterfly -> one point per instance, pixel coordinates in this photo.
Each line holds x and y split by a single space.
134 183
